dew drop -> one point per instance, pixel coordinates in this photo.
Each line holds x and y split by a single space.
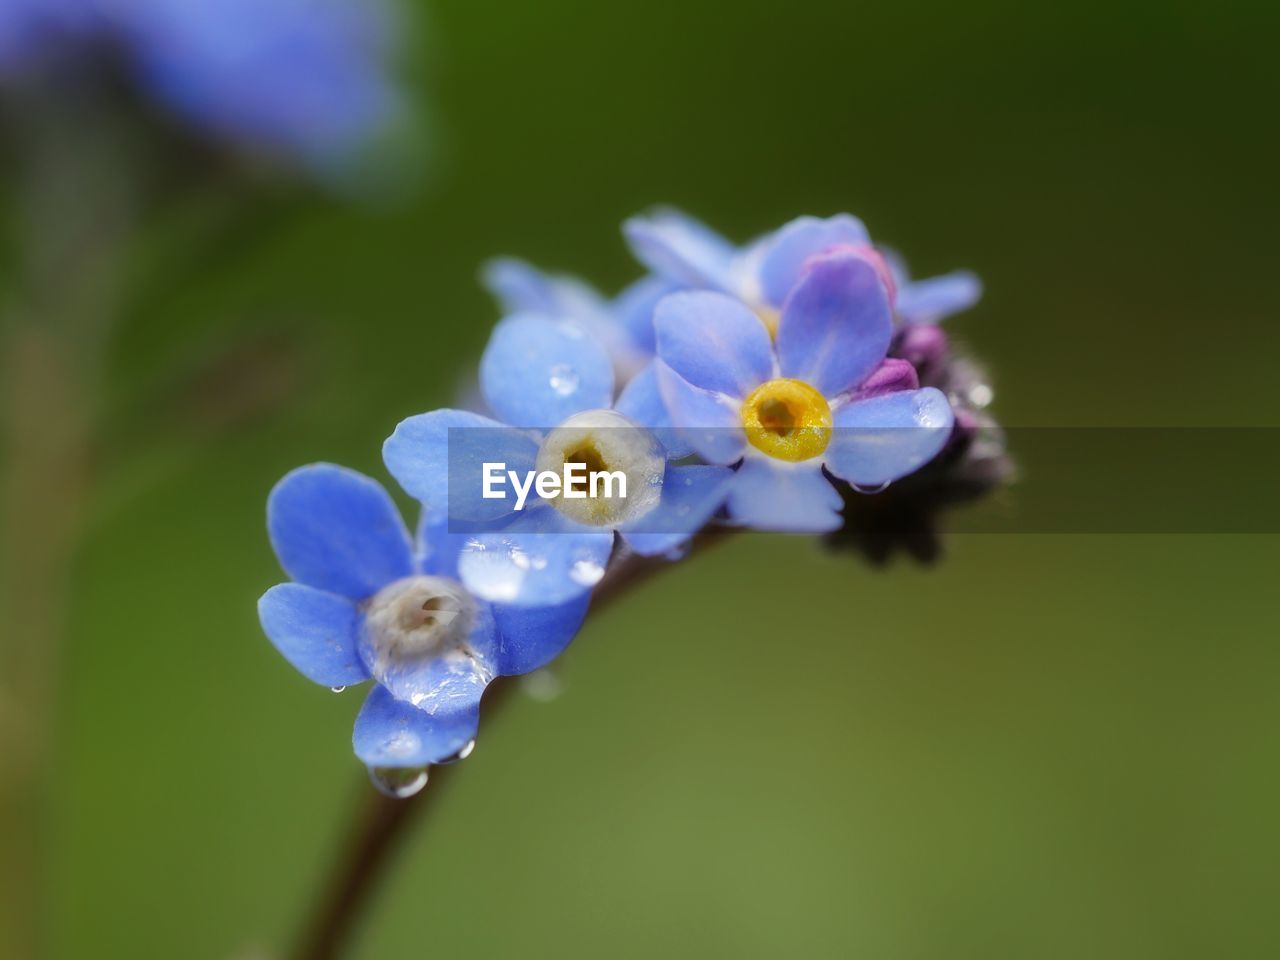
462 754
586 573
337 689
398 782
871 488
564 379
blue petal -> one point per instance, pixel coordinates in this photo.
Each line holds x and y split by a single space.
436 549
537 372
877 441
681 249
793 245
438 458
708 423
440 680
316 631
392 733
634 307
935 299
520 287
531 637
641 403
338 530
690 497
836 325
714 342
540 560
790 497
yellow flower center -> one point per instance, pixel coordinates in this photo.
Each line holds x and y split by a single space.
787 419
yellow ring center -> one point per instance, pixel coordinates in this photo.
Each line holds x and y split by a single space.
787 419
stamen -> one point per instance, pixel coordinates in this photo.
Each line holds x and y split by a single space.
604 442
787 419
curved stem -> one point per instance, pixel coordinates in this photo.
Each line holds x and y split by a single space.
383 821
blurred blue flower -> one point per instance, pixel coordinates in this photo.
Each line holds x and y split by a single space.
823 396
551 386
624 325
306 78
762 273
367 601
303 79
32 30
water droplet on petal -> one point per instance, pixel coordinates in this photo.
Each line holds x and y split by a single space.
564 379
337 689
871 488
586 573
462 754
398 782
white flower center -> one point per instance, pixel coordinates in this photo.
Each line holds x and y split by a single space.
415 619
605 442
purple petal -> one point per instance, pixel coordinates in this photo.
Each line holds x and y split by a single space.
892 376
836 324
879 440
714 342
681 249
790 497
708 423
791 247
935 299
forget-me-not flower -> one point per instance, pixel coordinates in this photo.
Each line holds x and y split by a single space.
306 80
623 324
31 30
300 78
551 384
822 395
763 272
367 601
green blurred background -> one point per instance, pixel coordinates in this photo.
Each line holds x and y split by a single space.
1047 746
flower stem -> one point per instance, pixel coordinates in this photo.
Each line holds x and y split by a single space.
383 821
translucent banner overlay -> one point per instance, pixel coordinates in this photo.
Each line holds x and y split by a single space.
1076 480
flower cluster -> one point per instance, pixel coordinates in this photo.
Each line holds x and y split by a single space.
767 387
300 79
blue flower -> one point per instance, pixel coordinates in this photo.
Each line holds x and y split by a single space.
930 301
823 396
552 387
305 78
367 601
624 325
31 30
301 79
763 273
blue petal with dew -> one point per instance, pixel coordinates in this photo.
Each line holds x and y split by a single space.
393 733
